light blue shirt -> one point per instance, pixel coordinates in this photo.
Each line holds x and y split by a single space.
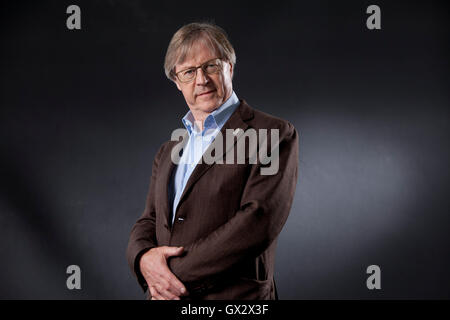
197 144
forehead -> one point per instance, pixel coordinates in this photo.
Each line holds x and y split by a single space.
200 52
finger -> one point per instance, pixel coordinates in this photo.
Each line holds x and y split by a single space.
176 286
163 290
153 293
174 297
159 297
166 281
175 292
156 295
172 251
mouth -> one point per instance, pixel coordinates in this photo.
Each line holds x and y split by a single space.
205 93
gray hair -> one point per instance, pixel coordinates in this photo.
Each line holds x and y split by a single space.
183 40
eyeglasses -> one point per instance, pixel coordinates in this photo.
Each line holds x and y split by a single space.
209 67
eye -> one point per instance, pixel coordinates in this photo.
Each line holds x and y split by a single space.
211 68
188 72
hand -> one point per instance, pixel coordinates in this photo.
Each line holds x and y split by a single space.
162 283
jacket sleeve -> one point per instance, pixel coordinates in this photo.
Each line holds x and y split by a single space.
143 235
265 206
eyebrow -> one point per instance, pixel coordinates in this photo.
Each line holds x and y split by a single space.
189 67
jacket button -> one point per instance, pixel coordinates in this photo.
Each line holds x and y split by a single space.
166 226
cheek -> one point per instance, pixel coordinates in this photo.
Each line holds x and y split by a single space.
220 85
188 93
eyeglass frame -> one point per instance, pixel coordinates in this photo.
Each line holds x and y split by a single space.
196 68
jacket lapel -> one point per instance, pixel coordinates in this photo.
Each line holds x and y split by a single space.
236 121
167 167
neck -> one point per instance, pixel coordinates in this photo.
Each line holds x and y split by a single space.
199 118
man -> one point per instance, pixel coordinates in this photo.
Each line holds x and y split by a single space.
209 230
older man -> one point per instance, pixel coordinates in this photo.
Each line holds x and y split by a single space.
209 230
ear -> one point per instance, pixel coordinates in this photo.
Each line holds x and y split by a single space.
231 70
178 85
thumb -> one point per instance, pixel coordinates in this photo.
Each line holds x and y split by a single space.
173 251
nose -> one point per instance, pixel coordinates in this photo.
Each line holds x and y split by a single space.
200 77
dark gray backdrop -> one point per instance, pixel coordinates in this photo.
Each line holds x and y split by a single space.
84 112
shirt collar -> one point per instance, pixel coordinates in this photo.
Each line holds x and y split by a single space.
215 119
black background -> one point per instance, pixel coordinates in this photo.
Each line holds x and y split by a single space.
83 113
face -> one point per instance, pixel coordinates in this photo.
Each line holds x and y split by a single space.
206 92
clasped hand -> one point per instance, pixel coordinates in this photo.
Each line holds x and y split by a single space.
162 283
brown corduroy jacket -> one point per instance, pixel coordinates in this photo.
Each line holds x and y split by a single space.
228 218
